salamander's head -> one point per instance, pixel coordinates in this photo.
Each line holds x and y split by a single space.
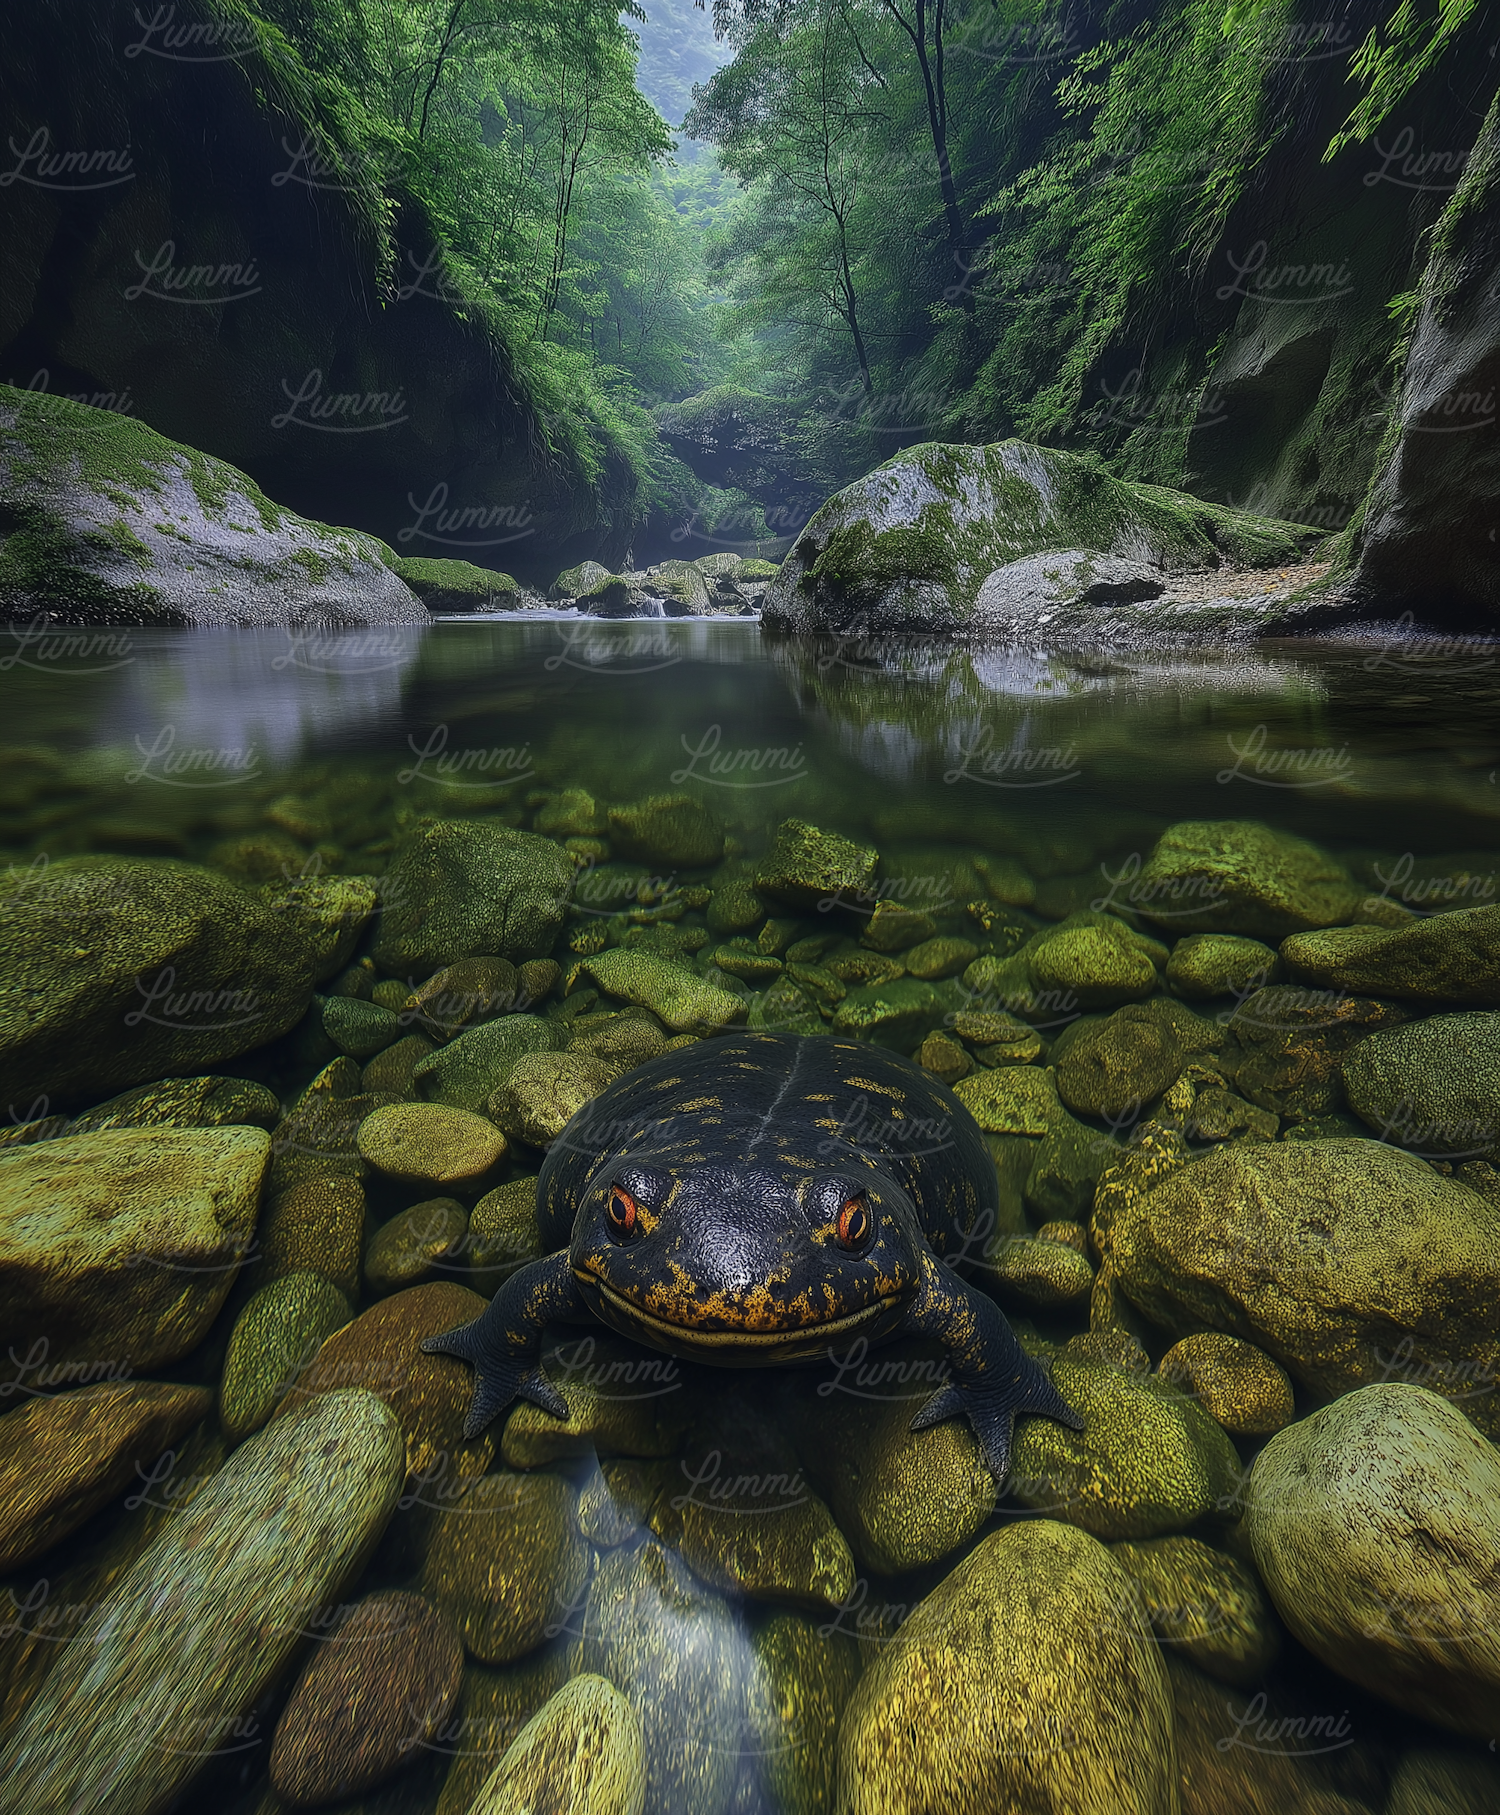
745 1266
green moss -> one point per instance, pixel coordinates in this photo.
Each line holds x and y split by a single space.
119 538
314 565
421 572
38 573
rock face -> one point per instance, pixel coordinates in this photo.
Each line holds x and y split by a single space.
172 1663
116 970
1375 1527
1026 595
113 523
461 886
65 1455
909 546
1426 543
1027 1680
1348 1261
117 1249
1211 1606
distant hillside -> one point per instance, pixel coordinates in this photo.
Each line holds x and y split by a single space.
678 48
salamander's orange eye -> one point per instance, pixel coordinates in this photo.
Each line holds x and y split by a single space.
623 1211
853 1226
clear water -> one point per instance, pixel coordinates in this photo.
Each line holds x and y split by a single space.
1385 753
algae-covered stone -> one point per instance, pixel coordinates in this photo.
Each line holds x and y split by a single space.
1209 1605
381 1351
667 828
459 887
582 1752
893 927
1027 1680
802 1674
572 813
1093 960
381 1686
1204 965
894 1014
1240 876
678 997
118 970
429 1143
178 1655
742 960
807 866
1444 958
1375 1525
464 994
543 1091
506 1562
1432 1086
997 1038
735 908
1041 1273
593 588
446 585
275 1338
622 1400
1348 1261
1012 1099
166 1103
427 1239
1434 1782
465 1072
934 959
944 1058
1287 1046
676 1653
577 579
1113 1068
1237 1384
503 1233
1147 1461
1065 1168
319 1135
64 1455
317 1226
117 1249
493 1708
902 1498
359 1029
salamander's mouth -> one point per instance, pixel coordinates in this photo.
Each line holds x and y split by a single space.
738 1347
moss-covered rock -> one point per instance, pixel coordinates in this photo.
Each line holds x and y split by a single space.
468 1070
109 522
359 1029
444 585
582 1752
678 997
1237 1384
908 546
1208 1605
807 866
1026 1680
669 829
593 588
275 1336
417 1244
1221 964
1287 1045
1113 1068
457 887
801 1677
1375 1525
1348 1261
1451 958
167 1103
543 1091
1240 876
680 585
898 1013
1432 1087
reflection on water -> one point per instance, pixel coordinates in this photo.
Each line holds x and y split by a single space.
760 1589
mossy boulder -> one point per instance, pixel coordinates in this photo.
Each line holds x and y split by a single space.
108 522
680 585
274 1338
1347 1261
466 1071
669 829
1210 1606
1432 1086
1237 1384
1240 876
455 585
582 1752
1451 958
680 998
807 866
457 887
909 546
1113 1068
593 588
115 970
1204 965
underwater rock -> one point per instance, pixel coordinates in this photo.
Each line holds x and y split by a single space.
460 887
359 1029
209 1102
944 1058
117 1249
1433 1782
1148 1460
583 1752
1024 595
683 1001
319 1134
507 1564
622 1400
934 959
543 1091
119 969
1447 958
430 1144
1208 1605
465 1072
1042 1273
895 1014
1012 1099
1240 876
503 1233
1237 1384
381 1352
893 927
465 994
676 1653
735 908
572 813
1432 1086
378 1688
1027 1679
316 1226
64 1455
667 828
807 866
173 1662
390 1075
1375 1525
494 1706
1287 1046
275 1337
802 1675
1113 1068
425 1239
1093 961
1204 965
1347 1261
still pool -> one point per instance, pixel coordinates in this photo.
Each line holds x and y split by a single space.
313 947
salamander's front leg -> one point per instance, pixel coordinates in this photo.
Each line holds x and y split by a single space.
994 1381
504 1344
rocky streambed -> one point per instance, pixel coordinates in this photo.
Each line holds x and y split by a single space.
270 1131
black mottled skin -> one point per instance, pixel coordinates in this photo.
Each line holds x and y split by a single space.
740 1152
